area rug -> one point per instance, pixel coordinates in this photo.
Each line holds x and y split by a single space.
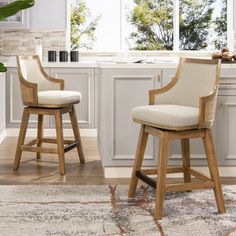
106 210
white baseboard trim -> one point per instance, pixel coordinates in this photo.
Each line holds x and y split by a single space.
52 132
125 172
3 135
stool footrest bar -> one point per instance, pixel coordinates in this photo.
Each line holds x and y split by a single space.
205 183
71 146
151 182
39 149
189 186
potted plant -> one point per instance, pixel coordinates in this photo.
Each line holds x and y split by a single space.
11 9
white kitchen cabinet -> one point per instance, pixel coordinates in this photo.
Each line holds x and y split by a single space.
122 89
46 15
14 102
119 91
226 130
2 103
81 80
17 21
227 117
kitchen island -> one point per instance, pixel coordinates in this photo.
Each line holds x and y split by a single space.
122 87
110 91
2 107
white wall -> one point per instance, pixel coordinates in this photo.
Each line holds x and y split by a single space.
48 14
2 107
234 12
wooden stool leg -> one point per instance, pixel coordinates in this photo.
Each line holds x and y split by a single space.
75 127
21 139
142 142
60 143
186 159
214 172
161 174
39 134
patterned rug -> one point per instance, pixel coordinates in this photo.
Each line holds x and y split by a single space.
106 210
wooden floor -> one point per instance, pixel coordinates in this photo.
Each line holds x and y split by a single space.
46 171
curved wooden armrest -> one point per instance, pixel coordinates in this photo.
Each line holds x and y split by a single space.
207 107
58 81
154 92
29 92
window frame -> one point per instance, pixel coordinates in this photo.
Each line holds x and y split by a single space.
176 42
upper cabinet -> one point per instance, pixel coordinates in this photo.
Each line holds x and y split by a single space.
18 21
44 15
47 14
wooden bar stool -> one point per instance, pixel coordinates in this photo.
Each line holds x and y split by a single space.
44 95
183 109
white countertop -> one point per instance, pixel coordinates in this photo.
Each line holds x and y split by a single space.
159 63
61 64
114 65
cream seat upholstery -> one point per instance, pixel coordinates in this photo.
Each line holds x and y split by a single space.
58 97
41 90
178 105
166 115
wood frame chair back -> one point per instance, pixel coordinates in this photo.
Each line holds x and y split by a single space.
29 89
207 104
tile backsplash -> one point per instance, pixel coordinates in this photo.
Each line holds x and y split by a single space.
22 42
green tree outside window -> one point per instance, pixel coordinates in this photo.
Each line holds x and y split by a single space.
153 20
83 26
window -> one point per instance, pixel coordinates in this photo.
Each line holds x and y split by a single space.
113 25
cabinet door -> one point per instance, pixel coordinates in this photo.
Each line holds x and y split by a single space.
227 130
41 17
2 102
81 80
14 103
18 21
119 92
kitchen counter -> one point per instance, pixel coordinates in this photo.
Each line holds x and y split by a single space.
61 64
2 107
109 64
110 90
121 87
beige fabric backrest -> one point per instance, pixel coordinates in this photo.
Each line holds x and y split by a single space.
195 80
32 72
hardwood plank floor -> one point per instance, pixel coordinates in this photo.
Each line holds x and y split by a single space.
46 171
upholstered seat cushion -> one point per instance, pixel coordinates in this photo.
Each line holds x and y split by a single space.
165 115
58 97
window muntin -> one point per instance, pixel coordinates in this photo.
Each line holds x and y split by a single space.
157 24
